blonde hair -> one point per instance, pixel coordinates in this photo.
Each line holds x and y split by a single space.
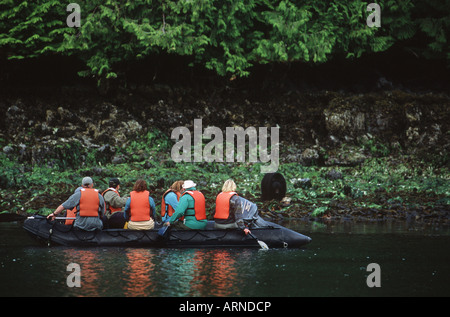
176 186
229 186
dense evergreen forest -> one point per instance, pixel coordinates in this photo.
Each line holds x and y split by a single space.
228 37
362 110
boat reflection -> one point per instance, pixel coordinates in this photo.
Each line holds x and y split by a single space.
139 273
214 275
136 272
90 268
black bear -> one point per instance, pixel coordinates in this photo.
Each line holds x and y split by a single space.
273 186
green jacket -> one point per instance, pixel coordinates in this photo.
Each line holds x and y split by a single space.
186 208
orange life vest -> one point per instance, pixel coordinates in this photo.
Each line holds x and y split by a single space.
199 204
70 213
113 209
140 206
170 209
89 202
223 205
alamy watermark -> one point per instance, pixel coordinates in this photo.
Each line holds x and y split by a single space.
74 278
374 19
374 278
74 18
213 151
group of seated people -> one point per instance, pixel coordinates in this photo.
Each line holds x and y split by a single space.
182 207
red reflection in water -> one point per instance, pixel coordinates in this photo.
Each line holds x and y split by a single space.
146 272
138 274
90 268
215 274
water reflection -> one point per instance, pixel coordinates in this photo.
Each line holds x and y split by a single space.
200 272
90 267
138 272
413 263
215 274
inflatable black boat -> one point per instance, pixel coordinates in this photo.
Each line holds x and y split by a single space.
55 233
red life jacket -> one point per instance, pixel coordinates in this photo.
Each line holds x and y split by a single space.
113 209
140 206
70 213
199 204
223 205
89 202
170 209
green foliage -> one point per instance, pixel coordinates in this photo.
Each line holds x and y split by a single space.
31 28
318 211
228 37
377 184
376 148
10 170
153 141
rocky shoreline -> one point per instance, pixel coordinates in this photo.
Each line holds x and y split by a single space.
73 128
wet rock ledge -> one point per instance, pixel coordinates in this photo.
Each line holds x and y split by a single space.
72 127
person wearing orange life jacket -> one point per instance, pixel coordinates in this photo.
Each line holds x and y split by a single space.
71 213
192 207
90 207
228 213
233 211
140 208
114 204
169 201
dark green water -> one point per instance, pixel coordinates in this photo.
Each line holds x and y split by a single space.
413 262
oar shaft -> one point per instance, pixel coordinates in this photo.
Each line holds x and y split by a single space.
57 218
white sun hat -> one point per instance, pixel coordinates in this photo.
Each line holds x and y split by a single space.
188 184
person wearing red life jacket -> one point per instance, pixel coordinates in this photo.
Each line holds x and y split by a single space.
114 203
192 207
169 201
140 208
234 211
90 207
71 213
229 213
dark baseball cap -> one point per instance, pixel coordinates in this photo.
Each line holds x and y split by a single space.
113 182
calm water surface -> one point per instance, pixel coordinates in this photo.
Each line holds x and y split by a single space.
413 262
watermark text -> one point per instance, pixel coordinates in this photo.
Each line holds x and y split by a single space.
213 151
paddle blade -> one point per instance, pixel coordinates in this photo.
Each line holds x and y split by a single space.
263 245
163 231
